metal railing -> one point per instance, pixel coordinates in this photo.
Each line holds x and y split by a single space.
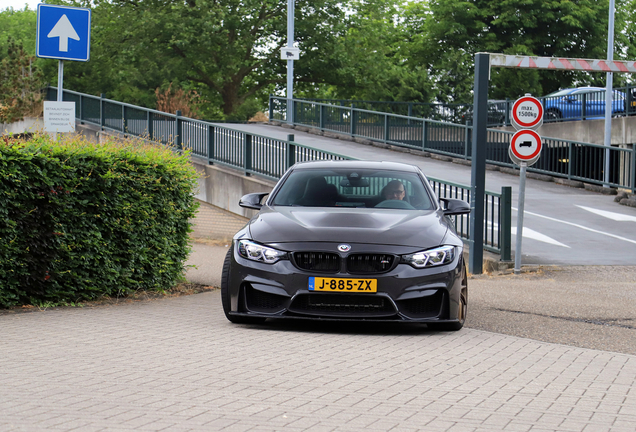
559 158
497 215
264 156
579 106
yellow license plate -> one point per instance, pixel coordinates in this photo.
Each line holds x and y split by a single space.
343 285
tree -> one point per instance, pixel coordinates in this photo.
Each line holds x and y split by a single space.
226 50
564 28
20 84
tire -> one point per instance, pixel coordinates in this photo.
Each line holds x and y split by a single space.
553 114
225 295
462 311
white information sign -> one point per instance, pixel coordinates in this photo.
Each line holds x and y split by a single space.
59 116
287 53
527 113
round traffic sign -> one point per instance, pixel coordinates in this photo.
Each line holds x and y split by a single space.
525 146
527 113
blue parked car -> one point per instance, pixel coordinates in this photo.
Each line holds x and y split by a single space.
580 103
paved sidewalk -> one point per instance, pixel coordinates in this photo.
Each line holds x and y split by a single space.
178 365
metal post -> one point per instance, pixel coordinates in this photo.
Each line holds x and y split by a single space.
211 144
608 95
247 154
178 140
290 62
507 113
151 122
271 108
352 128
570 161
60 81
505 224
291 151
478 172
102 113
60 87
386 128
522 199
633 168
424 133
321 124
124 123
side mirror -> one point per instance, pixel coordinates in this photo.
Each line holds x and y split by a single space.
253 200
455 207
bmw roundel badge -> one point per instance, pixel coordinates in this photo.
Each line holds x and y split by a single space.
344 248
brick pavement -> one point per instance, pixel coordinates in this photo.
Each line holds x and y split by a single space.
177 364
214 223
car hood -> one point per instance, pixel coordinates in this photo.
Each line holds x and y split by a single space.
383 226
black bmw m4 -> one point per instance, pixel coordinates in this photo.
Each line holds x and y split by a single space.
348 240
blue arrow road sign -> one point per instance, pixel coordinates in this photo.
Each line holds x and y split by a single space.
63 32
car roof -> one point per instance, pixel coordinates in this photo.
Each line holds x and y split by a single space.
356 164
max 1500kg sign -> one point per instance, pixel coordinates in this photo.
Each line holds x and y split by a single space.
527 113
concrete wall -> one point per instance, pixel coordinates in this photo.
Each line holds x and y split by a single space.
28 125
223 187
590 131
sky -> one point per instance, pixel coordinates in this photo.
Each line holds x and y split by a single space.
19 4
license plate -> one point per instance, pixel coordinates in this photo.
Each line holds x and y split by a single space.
343 285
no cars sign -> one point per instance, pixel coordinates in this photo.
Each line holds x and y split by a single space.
525 147
527 113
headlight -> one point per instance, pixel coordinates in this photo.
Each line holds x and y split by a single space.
256 252
430 258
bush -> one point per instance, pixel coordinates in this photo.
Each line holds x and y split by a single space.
79 221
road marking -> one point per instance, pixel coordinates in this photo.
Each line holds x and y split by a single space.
580 226
610 215
532 234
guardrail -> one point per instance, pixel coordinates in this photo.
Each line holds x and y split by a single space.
557 107
264 156
559 158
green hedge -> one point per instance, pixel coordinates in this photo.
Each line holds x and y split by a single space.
80 221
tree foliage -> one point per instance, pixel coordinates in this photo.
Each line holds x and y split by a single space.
20 84
556 28
227 51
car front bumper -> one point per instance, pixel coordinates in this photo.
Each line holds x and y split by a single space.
404 293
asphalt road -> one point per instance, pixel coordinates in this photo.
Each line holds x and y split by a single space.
562 225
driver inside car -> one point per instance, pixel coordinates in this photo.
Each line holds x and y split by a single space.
394 190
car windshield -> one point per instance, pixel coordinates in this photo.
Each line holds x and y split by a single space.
355 189
598 93
560 93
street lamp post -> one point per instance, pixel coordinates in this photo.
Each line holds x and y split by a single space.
290 62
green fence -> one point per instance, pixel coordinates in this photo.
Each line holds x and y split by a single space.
264 156
560 158
583 104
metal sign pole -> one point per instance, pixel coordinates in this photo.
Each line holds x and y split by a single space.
607 137
290 62
60 80
478 166
60 87
522 201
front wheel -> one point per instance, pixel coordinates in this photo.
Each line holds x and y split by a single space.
553 115
462 311
225 295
